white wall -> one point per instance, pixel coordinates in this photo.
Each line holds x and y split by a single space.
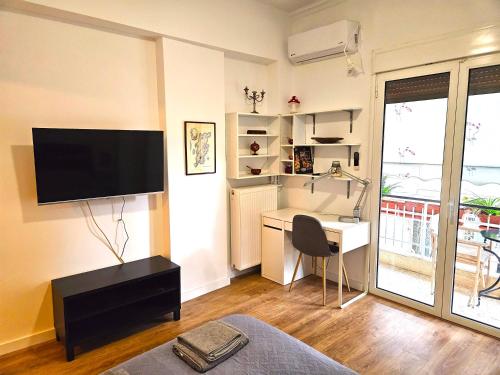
325 84
194 91
244 26
240 73
59 75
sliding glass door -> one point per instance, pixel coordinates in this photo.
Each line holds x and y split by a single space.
436 195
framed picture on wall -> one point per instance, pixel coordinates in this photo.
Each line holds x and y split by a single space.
199 138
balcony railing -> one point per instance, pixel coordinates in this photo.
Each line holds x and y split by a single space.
406 224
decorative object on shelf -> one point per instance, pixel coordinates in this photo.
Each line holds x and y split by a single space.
288 169
260 132
327 140
290 156
356 161
257 98
290 141
254 147
337 171
254 171
303 163
199 139
294 104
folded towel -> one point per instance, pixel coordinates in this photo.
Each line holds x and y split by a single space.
200 364
212 340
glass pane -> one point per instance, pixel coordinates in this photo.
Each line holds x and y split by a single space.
412 158
475 292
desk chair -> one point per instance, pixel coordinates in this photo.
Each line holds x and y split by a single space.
309 238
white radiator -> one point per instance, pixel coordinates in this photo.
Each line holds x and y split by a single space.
247 205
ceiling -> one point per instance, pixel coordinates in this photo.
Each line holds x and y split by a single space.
289 5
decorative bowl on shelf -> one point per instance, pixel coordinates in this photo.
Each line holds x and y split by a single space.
254 171
327 140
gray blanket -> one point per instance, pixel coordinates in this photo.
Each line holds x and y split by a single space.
269 351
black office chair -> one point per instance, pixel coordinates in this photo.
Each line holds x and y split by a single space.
309 238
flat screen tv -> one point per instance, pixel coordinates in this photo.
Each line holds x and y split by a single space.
80 164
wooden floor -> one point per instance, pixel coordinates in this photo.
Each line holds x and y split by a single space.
372 336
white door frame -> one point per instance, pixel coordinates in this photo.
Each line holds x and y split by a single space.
377 126
456 180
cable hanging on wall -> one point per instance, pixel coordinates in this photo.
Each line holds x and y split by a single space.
352 69
103 237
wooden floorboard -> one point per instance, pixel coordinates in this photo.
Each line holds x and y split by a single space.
372 336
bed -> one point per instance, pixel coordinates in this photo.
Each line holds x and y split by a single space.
270 351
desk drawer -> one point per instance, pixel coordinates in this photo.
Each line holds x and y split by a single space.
332 236
278 224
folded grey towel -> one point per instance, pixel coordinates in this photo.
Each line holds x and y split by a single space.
212 340
198 363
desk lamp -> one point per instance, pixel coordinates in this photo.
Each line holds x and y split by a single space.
336 171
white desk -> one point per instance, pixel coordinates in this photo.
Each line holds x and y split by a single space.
279 256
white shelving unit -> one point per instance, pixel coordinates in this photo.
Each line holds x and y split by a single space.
238 145
283 133
301 127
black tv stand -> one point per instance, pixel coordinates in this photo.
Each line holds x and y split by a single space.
100 304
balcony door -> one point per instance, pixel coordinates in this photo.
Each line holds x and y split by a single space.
472 273
422 254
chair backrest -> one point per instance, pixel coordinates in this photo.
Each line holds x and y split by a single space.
308 236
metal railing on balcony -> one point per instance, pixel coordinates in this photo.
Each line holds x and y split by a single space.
406 224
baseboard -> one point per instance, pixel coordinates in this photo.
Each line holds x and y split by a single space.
27 341
43 336
204 289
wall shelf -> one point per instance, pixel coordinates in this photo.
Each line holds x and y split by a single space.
244 176
328 144
275 151
238 145
332 110
256 156
313 176
314 115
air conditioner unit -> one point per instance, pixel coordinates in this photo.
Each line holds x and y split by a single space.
324 42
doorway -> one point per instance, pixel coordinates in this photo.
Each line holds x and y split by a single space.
436 195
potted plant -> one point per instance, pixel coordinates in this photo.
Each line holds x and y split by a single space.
386 189
490 208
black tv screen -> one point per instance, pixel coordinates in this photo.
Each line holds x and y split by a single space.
78 164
